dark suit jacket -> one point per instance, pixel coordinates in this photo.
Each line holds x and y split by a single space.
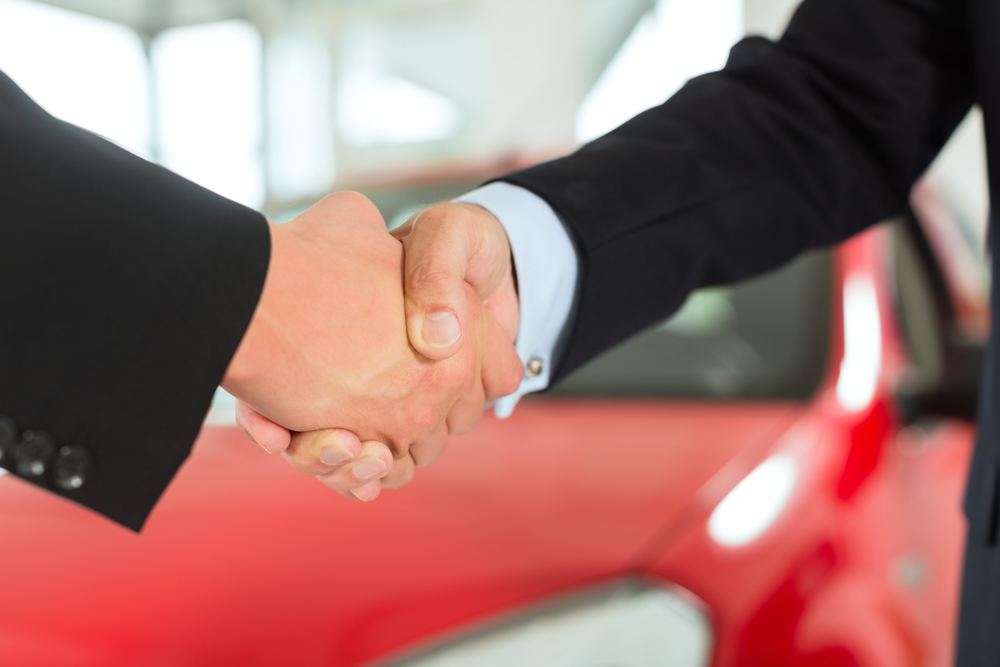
794 144
124 292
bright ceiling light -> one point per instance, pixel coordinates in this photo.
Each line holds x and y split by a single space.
678 40
209 93
375 107
750 508
84 70
300 148
862 361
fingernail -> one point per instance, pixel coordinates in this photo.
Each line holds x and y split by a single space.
367 492
368 467
331 456
441 329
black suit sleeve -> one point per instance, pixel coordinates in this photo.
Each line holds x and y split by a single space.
124 292
794 144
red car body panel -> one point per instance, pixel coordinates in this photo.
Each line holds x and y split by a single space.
244 562
230 565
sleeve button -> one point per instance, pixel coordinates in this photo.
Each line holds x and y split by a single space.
71 468
33 453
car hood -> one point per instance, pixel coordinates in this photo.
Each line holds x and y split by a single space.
245 562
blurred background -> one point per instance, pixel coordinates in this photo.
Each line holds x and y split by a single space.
764 479
276 102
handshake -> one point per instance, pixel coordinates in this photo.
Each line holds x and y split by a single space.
368 348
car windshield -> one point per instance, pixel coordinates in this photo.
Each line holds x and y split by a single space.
764 338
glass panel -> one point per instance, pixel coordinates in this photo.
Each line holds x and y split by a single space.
764 338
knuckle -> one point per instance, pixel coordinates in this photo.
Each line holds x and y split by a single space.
466 422
351 197
434 217
426 420
513 380
427 452
430 277
302 443
425 407
401 475
294 452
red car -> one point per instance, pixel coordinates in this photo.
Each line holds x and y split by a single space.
770 478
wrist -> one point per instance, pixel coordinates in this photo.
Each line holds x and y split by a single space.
245 367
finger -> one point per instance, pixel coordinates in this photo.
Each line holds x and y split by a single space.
438 244
466 415
466 412
502 368
374 463
464 370
468 409
319 452
367 492
489 262
427 451
505 307
401 474
272 437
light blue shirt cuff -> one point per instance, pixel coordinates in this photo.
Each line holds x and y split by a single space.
546 265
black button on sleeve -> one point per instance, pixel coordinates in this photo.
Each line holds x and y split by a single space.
33 453
72 467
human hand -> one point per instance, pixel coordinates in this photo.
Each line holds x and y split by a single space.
327 345
447 245
336 457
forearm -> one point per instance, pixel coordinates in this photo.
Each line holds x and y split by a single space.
126 290
793 145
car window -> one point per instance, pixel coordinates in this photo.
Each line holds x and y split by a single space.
763 338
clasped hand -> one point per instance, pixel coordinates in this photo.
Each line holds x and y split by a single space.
352 380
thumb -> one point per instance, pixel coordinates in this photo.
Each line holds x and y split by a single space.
272 437
436 258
